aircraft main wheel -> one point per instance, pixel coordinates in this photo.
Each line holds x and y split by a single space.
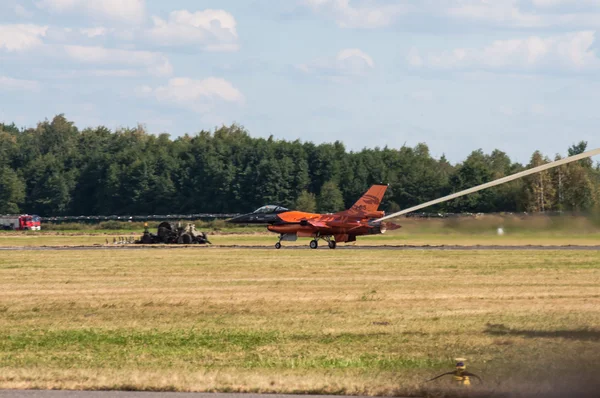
332 244
277 245
314 244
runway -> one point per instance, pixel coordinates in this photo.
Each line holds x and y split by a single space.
324 247
141 394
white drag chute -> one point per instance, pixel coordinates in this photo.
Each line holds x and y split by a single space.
492 183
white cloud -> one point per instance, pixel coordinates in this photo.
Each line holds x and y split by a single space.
538 109
503 12
22 12
8 83
209 30
127 11
414 58
522 110
43 44
199 95
422 95
511 14
516 14
77 72
21 37
214 30
141 61
507 110
557 3
571 51
365 15
349 54
94 32
347 64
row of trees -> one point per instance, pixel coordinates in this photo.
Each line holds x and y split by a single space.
57 169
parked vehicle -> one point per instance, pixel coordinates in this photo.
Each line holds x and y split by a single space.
24 222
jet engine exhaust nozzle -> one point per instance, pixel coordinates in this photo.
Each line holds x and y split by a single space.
381 227
378 228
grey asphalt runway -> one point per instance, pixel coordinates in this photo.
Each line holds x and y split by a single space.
138 394
324 247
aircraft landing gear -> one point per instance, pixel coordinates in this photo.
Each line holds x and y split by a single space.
314 244
278 244
330 242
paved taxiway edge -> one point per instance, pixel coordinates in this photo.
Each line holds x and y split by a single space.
379 247
142 394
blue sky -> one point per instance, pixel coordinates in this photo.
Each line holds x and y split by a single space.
517 75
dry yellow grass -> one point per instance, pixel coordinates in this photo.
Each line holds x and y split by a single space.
360 322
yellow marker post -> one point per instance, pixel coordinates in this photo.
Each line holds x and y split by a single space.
460 376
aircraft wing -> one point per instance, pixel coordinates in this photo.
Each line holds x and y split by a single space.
318 224
494 183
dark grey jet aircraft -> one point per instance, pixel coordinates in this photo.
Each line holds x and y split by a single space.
264 215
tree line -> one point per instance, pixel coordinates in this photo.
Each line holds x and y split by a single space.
57 169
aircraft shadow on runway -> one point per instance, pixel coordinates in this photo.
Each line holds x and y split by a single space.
575 334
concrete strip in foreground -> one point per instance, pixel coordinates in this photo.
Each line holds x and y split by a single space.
378 247
141 394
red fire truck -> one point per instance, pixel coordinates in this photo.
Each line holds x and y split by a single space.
24 222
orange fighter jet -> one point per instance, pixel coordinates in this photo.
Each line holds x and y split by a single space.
344 226
363 218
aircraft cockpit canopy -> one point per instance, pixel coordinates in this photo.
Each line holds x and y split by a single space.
270 209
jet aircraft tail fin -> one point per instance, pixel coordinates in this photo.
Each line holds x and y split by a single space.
368 204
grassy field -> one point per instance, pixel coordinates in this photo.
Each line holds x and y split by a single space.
353 322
